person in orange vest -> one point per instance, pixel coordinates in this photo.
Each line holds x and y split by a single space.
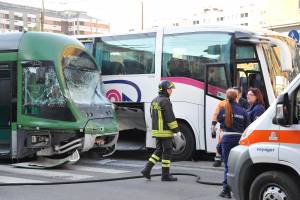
217 133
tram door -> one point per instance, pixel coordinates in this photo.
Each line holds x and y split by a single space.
5 107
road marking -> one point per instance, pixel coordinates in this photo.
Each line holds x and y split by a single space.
44 173
6 179
118 163
97 169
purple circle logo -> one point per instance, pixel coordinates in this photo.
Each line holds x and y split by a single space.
115 96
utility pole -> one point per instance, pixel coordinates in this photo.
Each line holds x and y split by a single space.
142 4
42 16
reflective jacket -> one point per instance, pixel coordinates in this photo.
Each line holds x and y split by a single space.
164 123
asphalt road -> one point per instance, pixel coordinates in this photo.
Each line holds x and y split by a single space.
121 165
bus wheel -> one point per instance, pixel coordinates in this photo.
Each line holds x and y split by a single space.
274 185
187 150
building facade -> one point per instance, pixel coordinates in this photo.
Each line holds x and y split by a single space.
17 18
276 15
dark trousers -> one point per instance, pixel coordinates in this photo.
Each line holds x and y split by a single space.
163 148
227 143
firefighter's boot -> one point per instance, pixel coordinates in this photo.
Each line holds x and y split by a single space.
147 170
166 176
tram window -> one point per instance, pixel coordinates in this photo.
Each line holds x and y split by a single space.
5 97
4 71
186 55
82 80
42 96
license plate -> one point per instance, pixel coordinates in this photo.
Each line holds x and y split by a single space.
39 140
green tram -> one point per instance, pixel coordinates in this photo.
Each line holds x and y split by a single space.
51 101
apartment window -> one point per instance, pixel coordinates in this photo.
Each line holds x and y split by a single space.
18 18
19 28
246 14
221 18
242 15
196 22
30 19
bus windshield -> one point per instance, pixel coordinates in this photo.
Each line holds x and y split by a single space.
279 78
82 78
296 63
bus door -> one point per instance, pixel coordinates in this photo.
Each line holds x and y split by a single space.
6 101
249 71
217 82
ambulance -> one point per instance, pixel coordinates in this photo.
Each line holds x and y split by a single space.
266 164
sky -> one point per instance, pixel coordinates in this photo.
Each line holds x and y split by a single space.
126 14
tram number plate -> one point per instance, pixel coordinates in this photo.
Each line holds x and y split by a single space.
39 140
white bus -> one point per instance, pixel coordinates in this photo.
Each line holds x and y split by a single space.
202 62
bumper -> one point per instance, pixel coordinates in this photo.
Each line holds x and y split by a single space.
239 163
109 141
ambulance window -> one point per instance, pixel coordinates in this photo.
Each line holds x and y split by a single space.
297 108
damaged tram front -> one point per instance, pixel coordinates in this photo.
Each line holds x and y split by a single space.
51 102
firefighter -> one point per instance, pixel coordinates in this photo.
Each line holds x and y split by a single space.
164 126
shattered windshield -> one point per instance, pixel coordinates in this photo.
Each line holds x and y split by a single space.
42 95
82 78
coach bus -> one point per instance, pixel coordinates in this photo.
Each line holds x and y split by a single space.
51 103
202 62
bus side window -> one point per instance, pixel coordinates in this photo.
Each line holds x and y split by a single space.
178 67
133 67
187 54
112 68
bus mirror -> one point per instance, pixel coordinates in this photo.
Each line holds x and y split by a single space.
282 110
285 55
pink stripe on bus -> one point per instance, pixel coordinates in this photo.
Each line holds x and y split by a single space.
187 81
198 84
